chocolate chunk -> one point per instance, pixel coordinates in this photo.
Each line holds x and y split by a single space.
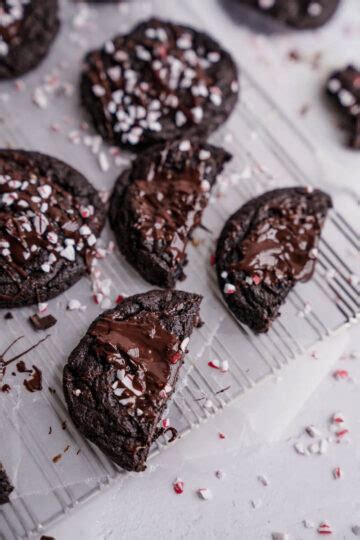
34 384
120 377
157 204
8 316
265 248
5 487
27 30
50 217
42 323
301 14
344 89
158 82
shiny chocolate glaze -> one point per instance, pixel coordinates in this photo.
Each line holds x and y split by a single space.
283 245
139 351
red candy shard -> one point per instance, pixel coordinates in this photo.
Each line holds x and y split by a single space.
178 486
174 358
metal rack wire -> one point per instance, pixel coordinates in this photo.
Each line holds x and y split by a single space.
45 491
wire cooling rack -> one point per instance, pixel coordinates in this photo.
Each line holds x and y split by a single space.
268 152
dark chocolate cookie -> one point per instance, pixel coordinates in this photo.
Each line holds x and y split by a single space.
265 248
301 14
50 217
158 203
5 487
27 29
120 377
344 87
160 81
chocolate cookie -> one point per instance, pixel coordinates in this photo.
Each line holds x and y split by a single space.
302 14
344 87
120 377
158 203
265 248
50 217
160 81
5 487
27 29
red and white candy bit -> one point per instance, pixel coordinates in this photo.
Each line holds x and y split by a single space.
178 486
165 423
229 288
342 433
205 493
338 418
221 435
42 307
215 364
337 473
119 299
174 358
324 528
341 374
212 260
256 279
222 365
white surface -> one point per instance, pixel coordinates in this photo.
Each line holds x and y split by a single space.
260 432
261 429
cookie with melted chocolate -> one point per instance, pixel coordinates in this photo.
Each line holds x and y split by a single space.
5 487
50 218
118 380
157 204
27 30
343 87
301 14
265 248
158 82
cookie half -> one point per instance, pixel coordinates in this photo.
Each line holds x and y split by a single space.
50 218
344 88
120 377
27 30
301 14
160 81
265 248
157 204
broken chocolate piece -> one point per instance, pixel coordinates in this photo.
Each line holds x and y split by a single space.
42 323
5 487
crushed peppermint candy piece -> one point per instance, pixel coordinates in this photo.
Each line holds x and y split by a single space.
229 288
324 528
338 473
280 536
263 480
341 374
312 431
205 494
178 486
